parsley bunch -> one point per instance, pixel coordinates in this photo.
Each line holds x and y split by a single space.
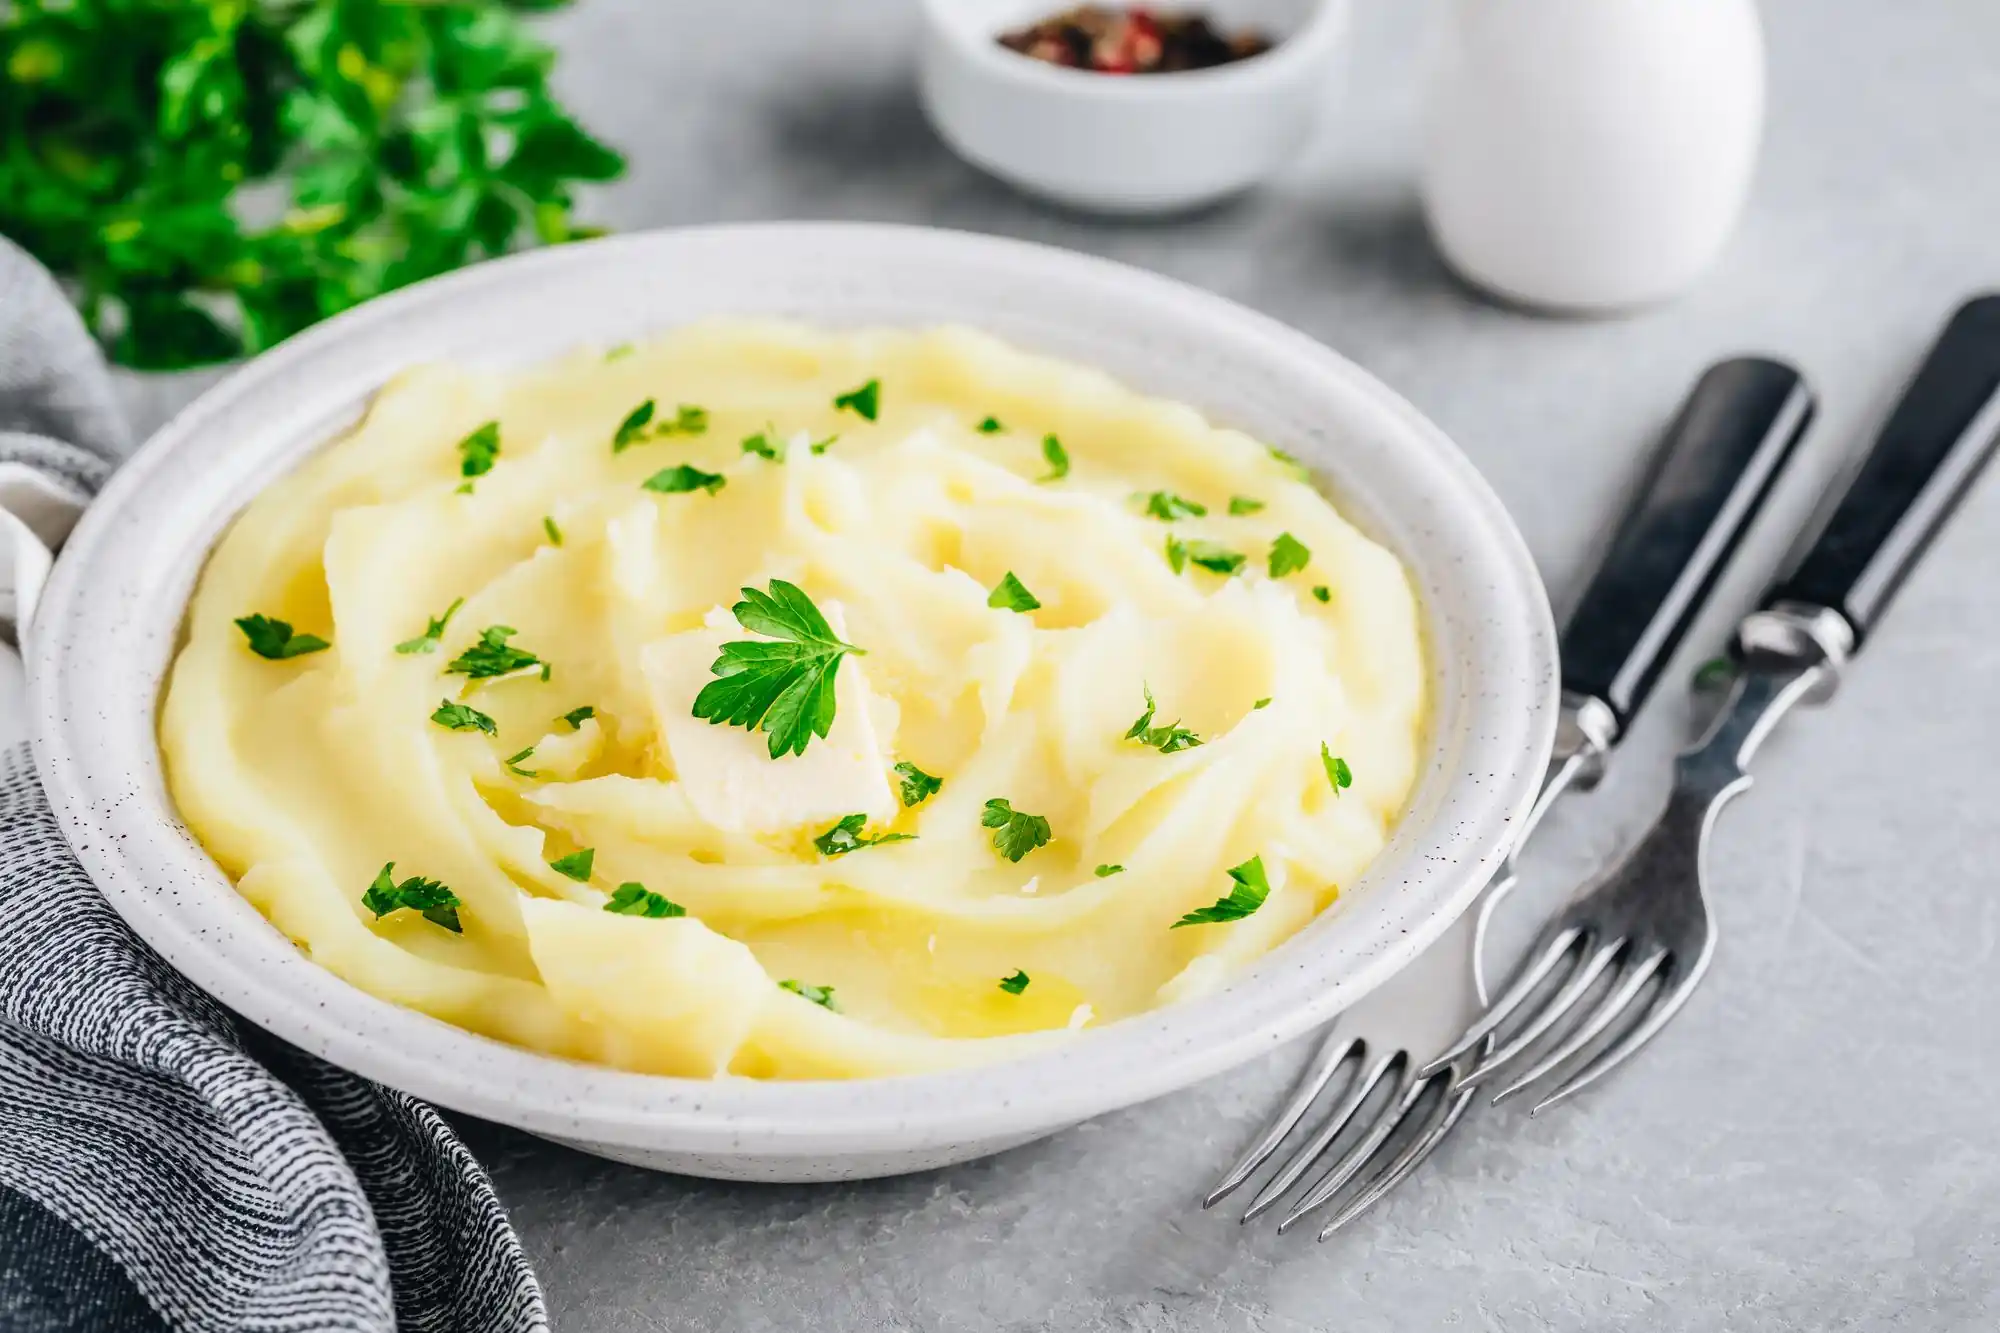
211 176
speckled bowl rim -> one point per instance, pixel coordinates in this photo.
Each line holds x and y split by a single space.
109 622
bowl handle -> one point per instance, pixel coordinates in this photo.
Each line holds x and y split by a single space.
36 513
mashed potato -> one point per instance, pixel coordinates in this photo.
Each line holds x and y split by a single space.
1077 702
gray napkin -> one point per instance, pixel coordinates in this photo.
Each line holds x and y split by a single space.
163 1164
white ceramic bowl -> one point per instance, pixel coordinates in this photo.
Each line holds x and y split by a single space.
110 616
1137 144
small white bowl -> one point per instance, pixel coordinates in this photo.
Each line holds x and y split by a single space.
1128 143
109 622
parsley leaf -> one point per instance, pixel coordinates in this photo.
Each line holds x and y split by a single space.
463 717
846 836
1167 739
1014 834
864 402
1107 871
1245 896
477 451
688 420
1208 555
427 642
783 688
765 445
990 426
1289 555
1322 593
1264 702
1292 465
635 899
1244 504
492 656
1010 594
1167 506
554 532
1015 984
821 446
819 995
1057 458
576 865
681 478
513 762
274 638
438 904
1338 774
632 429
576 717
918 786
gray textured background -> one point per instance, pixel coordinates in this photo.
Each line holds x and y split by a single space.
1812 1144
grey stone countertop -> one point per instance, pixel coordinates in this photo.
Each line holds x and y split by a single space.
1812 1145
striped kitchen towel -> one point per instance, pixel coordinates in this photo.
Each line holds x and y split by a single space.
163 1164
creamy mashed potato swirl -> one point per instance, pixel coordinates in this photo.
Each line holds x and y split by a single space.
1162 555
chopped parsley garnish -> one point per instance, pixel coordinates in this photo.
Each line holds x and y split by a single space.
1338 774
1010 594
274 638
1107 871
783 688
1322 593
554 532
492 656
688 420
821 446
682 478
819 995
427 642
1245 896
1014 834
864 402
1264 702
918 786
576 865
1244 504
1167 506
1210 556
1167 739
513 762
632 429
1293 465
463 717
990 426
635 899
765 445
438 904
846 836
1289 555
1015 984
1056 457
477 452
576 717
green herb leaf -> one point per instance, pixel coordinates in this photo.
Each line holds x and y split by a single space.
1264 702
864 402
1014 834
463 717
1322 593
1167 506
632 430
1338 775
427 642
990 426
1015 984
478 451
821 446
1289 555
688 420
1291 464
783 688
765 444
549 527
1107 871
274 638
918 786
1208 555
1057 458
635 899
1168 739
618 353
438 904
1010 594
576 865
576 717
682 478
1243 504
819 995
846 836
492 656
1245 896
513 763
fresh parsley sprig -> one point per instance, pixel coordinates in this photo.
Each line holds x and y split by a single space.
865 402
1289 555
1107 870
438 904
463 717
783 688
1338 775
576 717
1216 559
917 785
1015 833
765 444
632 429
682 478
576 865
276 639
494 656
819 995
1247 892
1056 457
1244 504
478 452
1015 984
1168 739
1010 594
514 761
635 899
427 642
1166 506
847 836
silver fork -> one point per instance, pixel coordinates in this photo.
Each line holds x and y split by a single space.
1644 925
1710 474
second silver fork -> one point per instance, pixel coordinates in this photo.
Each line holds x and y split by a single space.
1709 476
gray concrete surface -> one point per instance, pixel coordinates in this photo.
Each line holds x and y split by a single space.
1812 1145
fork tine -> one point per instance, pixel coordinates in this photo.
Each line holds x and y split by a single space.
1336 1120
1334 1048
1632 978
1356 1157
1555 942
1559 1005
1674 993
1443 1117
